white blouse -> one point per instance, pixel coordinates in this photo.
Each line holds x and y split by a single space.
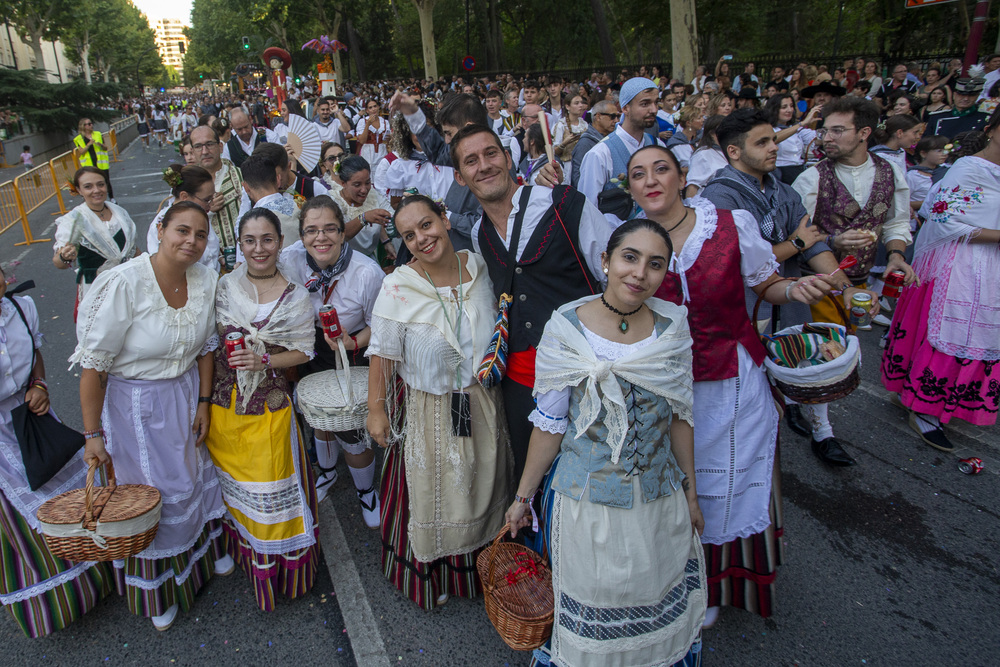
16 343
210 258
792 151
704 163
562 131
357 287
429 179
127 329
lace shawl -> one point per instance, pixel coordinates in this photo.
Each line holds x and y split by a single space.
290 325
565 359
86 228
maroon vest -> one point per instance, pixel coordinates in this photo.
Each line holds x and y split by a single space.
717 312
837 211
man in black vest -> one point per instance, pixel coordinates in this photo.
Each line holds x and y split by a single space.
245 138
559 240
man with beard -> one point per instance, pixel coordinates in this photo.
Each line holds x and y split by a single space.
609 159
747 183
225 205
331 122
541 245
856 199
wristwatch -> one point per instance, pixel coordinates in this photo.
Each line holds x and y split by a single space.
799 244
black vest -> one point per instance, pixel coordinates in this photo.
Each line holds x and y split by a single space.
305 186
548 274
236 153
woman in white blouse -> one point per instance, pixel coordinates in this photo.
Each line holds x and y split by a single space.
365 209
707 159
792 138
97 234
373 133
194 184
445 480
144 338
43 593
335 274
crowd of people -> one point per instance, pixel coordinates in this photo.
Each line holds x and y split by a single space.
552 285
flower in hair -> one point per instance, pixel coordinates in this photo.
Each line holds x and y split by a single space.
620 181
338 163
72 189
172 177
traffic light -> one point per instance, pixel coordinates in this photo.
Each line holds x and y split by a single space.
298 81
201 76
246 43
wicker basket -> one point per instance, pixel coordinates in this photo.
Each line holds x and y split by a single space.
827 382
517 588
335 400
107 523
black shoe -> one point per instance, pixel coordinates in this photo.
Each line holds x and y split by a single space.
830 451
936 438
796 422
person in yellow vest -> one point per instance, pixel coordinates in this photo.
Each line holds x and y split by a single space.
90 148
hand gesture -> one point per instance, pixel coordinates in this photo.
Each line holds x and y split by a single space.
218 202
550 175
403 103
812 289
518 516
377 424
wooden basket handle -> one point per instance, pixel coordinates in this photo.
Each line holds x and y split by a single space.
88 514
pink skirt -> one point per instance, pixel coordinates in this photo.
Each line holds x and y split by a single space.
929 381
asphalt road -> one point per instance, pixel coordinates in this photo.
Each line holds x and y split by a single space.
892 562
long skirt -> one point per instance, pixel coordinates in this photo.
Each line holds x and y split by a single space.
268 487
43 593
932 382
629 584
147 426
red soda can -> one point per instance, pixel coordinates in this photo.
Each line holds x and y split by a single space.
234 341
972 466
893 284
330 321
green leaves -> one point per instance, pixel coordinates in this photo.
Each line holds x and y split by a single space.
53 107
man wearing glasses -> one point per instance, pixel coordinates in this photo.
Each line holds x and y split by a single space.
603 118
638 98
225 205
857 200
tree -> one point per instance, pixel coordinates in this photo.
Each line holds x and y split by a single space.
425 10
53 107
37 21
683 37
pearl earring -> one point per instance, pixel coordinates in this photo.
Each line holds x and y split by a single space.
605 270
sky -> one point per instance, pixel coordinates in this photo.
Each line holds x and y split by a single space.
165 9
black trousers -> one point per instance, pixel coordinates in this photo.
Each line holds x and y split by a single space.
518 403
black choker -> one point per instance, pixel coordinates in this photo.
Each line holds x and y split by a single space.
623 325
267 277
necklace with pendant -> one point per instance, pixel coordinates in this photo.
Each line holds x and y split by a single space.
623 324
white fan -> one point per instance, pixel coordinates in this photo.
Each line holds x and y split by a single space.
304 139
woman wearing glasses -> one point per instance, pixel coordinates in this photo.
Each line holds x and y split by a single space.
330 153
194 184
254 438
335 274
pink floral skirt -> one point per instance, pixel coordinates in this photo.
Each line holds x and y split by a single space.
930 381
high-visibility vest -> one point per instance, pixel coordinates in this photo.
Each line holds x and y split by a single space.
102 155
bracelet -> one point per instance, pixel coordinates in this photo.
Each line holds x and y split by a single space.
894 250
266 359
523 499
40 383
355 341
788 290
362 216
96 433
204 399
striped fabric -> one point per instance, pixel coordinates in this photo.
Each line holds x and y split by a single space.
421 582
44 593
291 574
494 364
153 586
741 573
790 350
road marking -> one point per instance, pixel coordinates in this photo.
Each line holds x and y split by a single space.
366 640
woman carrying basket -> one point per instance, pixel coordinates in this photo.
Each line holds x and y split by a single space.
43 593
334 274
445 475
716 253
254 437
613 388
144 338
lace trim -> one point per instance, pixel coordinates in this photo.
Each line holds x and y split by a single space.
102 362
47 585
761 274
151 554
153 584
211 345
557 425
613 350
263 502
274 547
706 222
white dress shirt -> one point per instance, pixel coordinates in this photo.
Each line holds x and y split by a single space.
595 170
270 135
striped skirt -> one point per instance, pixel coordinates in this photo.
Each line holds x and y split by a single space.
421 582
741 573
44 593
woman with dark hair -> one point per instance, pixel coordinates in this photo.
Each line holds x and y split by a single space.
43 593
330 155
942 350
934 81
621 515
535 156
254 438
937 100
143 125
335 275
194 184
706 159
373 133
716 254
97 234
445 481
365 209
144 343
892 139
793 138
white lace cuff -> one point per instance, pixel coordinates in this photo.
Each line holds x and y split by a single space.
547 423
310 355
98 361
762 273
211 345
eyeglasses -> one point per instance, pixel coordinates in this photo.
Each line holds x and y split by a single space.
834 132
86 124
330 231
612 116
207 201
332 159
208 145
266 242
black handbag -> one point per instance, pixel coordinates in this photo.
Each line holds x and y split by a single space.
617 202
47 444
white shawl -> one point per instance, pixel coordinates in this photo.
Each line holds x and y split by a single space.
565 359
84 227
290 325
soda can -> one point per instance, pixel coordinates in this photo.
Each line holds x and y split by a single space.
893 284
229 255
861 303
234 341
972 466
330 321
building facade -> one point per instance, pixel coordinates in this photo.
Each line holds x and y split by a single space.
15 54
171 42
